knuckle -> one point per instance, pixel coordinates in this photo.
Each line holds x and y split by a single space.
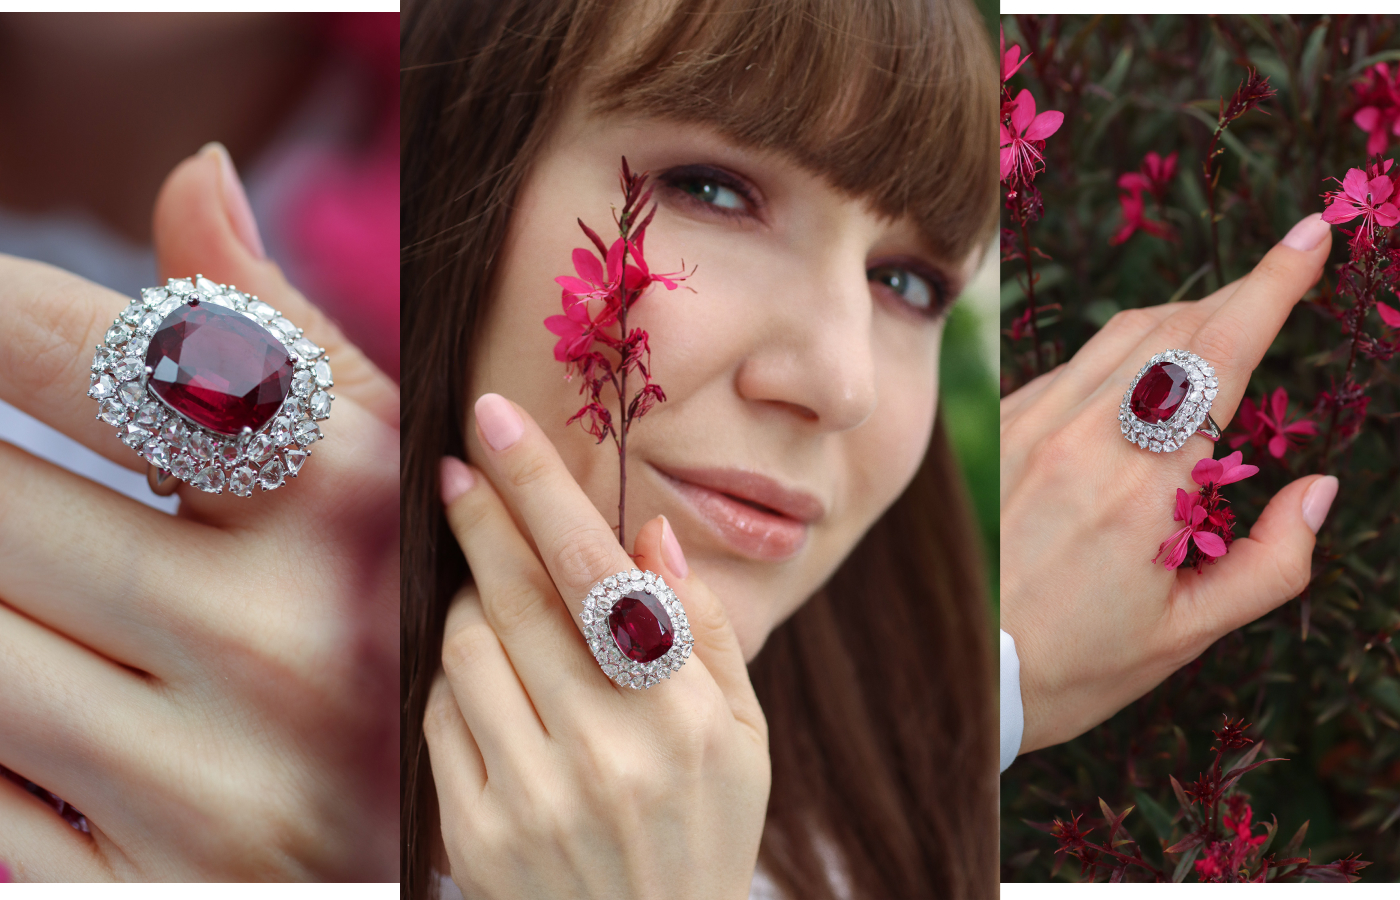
1222 339
583 557
465 650
1131 321
1294 573
528 469
1056 450
513 608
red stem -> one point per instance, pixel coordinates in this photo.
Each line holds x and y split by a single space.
1030 293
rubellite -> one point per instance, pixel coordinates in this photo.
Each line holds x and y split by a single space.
1159 392
218 368
641 627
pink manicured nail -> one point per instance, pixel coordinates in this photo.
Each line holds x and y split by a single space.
240 214
671 549
1318 500
1307 234
500 424
457 479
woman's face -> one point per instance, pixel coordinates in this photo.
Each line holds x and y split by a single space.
800 374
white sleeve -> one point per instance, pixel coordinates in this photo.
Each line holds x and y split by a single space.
1013 720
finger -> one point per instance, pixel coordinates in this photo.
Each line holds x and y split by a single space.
1021 397
68 715
492 700
716 645
459 772
1266 569
90 563
575 544
37 844
1235 337
518 597
53 321
199 215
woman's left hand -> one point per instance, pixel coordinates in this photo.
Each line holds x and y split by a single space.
216 691
552 781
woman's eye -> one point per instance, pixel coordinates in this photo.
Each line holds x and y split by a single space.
913 289
712 192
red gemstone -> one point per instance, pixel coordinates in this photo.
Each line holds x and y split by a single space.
641 627
218 368
1159 392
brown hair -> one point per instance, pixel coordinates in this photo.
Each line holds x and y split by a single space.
878 692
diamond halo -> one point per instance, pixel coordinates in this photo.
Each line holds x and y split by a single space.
597 610
1189 416
174 445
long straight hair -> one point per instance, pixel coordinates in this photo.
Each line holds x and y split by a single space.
878 691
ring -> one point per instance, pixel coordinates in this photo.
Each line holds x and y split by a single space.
1169 401
212 386
636 628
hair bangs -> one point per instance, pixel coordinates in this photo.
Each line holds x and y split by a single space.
891 102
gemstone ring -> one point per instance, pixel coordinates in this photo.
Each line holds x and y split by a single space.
212 386
636 628
1169 401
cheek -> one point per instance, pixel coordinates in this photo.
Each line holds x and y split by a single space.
887 449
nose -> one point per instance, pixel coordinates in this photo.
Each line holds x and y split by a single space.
812 353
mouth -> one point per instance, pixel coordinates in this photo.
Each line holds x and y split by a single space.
752 513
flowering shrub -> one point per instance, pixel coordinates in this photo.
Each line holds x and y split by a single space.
1189 146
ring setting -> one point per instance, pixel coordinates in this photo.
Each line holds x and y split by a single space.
213 387
1168 401
636 628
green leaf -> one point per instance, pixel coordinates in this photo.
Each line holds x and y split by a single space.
1183 867
1157 817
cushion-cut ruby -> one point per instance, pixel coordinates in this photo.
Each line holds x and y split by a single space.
641 626
1159 392
218 368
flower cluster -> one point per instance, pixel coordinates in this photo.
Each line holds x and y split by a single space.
1208 526
1220 844
1378 101
1154 177
1267 425
594 341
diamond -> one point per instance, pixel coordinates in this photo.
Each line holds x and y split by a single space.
226 452
201 445
271 475
149 414
323 373
262 310
113 413
320 404
103 358
223 300
302 383
174 433
283 329
260 448
640 627
305 349
1210 393
102 387
149 323
211 480
133 313
1159 392
129 368
118 334
307 432
169 306
134 436
157 454
217 369
294 460
208 287
241 481
153 296
180 286
183 467
137 346
132 393
610 582
281 431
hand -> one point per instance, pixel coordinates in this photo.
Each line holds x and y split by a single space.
553 782
217 692
1083 511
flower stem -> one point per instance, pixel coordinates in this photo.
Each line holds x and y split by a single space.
1030 293
622 403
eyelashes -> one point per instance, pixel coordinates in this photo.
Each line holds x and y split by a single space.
714 191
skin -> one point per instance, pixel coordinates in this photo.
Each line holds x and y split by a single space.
1096 624
216 691
787 360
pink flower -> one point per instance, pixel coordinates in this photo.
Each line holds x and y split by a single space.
1154 177
1011 59
1022 142
1133 219
1365 197
1190 511
1389 315
1268 425
1221 472
1379 114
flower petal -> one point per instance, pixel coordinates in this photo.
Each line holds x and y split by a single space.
1024 113
1209 543
1366 118
1278 445
1207 470
1389 315
1355 184
1388 215
588 267
1339 211
1045 124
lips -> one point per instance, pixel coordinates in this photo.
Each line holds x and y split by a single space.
753 513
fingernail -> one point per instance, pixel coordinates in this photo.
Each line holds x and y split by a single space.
1307 234
1318 500
671 549
499 422
5 877
240 214
457 479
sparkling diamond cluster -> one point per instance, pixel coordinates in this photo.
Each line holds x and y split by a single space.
1167 401
272 432
609 612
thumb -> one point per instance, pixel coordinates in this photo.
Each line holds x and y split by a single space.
716 644
203 225
1272 565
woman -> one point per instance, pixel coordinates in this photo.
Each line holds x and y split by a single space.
828 168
